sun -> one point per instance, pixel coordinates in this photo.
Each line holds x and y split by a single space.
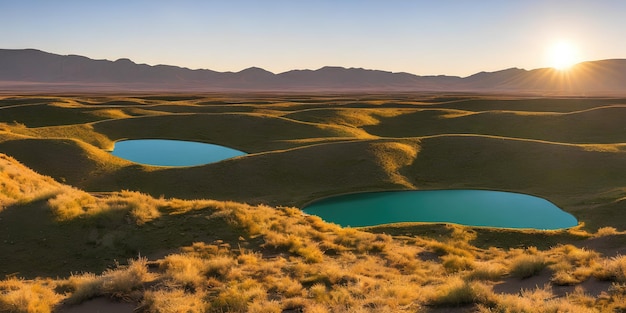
562 55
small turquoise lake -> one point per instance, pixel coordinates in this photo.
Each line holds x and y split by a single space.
467 207
163 152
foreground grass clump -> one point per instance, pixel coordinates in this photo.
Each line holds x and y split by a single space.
527 264
32 296
122 283
572 265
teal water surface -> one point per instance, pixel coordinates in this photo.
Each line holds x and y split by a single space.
162 152
466 207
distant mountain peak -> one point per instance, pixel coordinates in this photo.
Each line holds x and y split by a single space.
255 69
124 60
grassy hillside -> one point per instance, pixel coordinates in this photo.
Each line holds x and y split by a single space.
134 240
598 125
575 177
305 147
247 132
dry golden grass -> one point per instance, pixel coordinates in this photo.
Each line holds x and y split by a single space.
572 265
526 265
20 185
489 271
173 301
29 297
83 287
454 292
613 269
185 271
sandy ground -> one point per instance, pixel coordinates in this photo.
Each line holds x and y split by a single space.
591 286
99 305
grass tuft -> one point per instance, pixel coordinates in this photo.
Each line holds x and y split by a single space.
29 297
455 292
173 301
524 266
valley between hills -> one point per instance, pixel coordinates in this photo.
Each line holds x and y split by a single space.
79 225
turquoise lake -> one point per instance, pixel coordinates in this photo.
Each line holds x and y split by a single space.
163 152
467 207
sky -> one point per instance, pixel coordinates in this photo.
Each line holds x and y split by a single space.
437 37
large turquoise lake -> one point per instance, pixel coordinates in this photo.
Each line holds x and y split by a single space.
162 152
467 207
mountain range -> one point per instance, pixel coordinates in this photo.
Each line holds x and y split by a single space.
38 71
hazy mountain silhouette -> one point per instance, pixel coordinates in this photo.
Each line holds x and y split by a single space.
34 70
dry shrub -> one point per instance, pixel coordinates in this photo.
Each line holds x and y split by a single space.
449 248
264 306
576 256
83 287
563 278
173 301
249 257
121 281
341 297
142 208
185 270
31 297
461 234
361 241
320 225
613 269
319 293
72 203
219 266
490 271
579 297
284 286
310 252
572 265
396 294
606 231
275 267
403 258
237 295
454 292
527 265
454 263
568 274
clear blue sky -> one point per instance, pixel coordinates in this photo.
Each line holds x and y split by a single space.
453 37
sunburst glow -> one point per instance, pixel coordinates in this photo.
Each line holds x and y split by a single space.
562 55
